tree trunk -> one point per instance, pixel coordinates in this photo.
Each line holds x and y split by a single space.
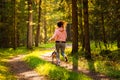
38 27
118 22
74 34
14 24
103 29
45 31
118 43
81 26
29 28
45 23
86 29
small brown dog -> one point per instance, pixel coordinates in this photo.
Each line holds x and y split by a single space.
54 54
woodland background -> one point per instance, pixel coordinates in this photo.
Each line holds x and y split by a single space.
93 29
32 22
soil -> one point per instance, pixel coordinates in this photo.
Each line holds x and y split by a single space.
23 72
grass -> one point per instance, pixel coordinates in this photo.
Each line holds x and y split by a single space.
102 64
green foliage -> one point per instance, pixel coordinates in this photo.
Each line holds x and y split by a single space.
105 53
10 52
111 55
115 55
48 45
108 10
108 69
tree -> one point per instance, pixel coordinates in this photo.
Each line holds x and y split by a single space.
6 24
81 34
14 25
74 34
2 21
103 26
44 22
38 27
86 29
29 27
118 22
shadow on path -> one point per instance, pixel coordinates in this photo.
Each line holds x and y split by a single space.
22 71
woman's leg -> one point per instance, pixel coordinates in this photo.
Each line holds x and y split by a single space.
63 51
58 56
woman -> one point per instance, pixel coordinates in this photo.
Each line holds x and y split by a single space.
60 36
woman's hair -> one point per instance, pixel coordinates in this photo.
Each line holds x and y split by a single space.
60 23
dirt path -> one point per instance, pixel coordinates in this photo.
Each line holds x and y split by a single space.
22 71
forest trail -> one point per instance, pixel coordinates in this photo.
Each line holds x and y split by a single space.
24 72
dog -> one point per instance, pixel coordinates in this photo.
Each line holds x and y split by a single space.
53 55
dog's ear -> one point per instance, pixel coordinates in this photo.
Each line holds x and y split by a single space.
53 52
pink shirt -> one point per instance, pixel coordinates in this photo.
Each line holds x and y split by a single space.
60 34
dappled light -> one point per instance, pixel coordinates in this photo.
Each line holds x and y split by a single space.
59 40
